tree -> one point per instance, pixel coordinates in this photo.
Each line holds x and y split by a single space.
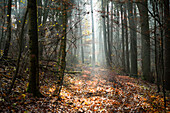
123 44
33 86
127 42
93 37
2 24
104 35
167 44
145 39
62 50
81 37
8 40
133 40
20 52
109 42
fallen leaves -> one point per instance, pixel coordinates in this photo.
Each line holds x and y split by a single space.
88 93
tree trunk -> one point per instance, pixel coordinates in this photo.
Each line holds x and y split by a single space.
123 46
145 36
127 42
108 34
81 39
133 42
104 36
2 24
156 46
19 54
39 11
33 86
63 50
111 30
8 40
40 24
167 45
93 37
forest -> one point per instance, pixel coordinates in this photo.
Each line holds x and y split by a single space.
84 56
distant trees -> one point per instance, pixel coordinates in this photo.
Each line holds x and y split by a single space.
132 38
137 45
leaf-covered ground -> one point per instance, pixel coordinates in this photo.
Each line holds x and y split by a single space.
100 90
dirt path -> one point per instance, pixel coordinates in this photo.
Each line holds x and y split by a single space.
107 92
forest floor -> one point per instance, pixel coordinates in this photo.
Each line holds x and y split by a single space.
99 91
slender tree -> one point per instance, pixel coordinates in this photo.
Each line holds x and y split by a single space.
123 46
108 34
20 52
62 49
8 40
81 38
93 36
156 46
127 42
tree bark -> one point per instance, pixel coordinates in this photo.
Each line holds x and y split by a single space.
167 45
104 35
81 39
63 50
145 36
123 46
127 42
133 42
8 40
93 37
108 35
33 86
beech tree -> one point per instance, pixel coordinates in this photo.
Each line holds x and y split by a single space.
145 39
133 40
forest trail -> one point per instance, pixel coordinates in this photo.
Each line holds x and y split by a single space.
104 91
107 92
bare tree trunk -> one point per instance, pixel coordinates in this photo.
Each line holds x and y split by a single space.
127 42
108 34
2 24
93 37
19 54
145 36
133 42
63 50
33 86
123 45
156 50
39 11
111 30
167 45
104 35
8 40
81 40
